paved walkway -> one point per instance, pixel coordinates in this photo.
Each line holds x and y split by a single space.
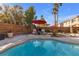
21 38
10 42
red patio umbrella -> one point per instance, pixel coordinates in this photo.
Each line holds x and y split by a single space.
39 22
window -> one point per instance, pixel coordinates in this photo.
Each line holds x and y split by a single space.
73 20
78 19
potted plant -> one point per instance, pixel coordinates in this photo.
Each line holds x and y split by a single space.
10 34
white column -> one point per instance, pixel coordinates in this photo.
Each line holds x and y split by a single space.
71 30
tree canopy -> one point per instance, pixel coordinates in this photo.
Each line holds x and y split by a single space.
30 13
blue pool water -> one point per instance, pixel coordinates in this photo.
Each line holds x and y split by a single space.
43 48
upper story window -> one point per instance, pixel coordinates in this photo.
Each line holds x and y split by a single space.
78 19
73 20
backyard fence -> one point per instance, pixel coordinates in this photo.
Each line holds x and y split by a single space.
16 29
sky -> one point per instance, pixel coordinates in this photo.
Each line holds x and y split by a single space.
44 9
66 11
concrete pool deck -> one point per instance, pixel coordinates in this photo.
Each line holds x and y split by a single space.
17 40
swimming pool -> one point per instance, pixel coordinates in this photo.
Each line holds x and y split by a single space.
43 48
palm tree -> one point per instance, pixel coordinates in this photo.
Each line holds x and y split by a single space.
55 12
